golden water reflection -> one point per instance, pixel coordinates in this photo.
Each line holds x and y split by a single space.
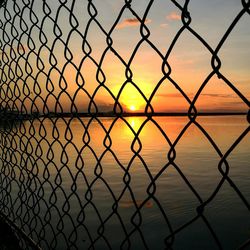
134 144
124 155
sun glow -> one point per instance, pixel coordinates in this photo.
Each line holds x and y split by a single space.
131 99
132 107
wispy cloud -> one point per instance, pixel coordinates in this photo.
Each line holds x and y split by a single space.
164 25
130 22
219 95
173 16
174 95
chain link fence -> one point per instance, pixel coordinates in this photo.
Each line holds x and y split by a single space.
67 175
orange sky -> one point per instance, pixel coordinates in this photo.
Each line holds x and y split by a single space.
75 77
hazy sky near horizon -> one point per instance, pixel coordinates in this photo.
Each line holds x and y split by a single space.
190 61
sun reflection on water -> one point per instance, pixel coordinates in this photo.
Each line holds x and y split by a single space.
135 123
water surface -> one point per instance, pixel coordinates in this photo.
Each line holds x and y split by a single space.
111 182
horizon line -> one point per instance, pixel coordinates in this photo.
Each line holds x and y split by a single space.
131 114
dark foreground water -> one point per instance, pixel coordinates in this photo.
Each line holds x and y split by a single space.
69 185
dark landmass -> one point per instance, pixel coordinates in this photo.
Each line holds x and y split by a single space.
15 116
131 114
8 238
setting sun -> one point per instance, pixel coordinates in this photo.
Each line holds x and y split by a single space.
132 108
130 98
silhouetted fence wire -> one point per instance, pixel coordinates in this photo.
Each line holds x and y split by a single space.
46 189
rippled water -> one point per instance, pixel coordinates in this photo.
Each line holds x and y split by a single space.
81 174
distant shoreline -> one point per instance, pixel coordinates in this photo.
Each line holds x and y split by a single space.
158 114
15 116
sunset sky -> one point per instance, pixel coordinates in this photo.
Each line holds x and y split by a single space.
190 61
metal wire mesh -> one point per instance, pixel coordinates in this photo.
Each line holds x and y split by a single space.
47 189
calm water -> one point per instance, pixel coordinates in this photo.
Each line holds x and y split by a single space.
71 174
